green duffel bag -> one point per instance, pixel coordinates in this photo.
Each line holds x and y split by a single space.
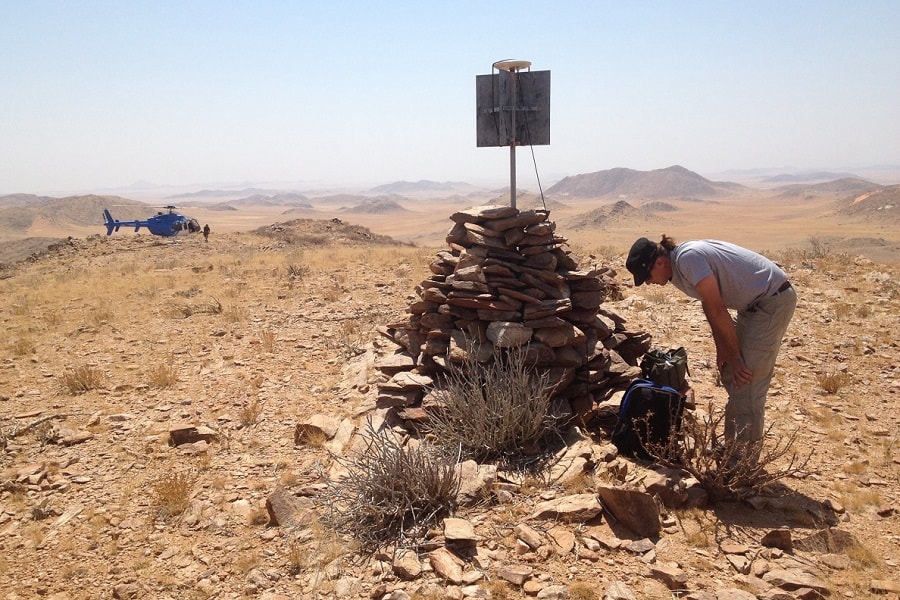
669 368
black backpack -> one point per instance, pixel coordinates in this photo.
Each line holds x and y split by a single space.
649 415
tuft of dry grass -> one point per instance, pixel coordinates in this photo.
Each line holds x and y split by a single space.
23 346
856 498
80 379
163 375
172 493
391 492
833 381
267 340
656 295
250 412
493 411
698 528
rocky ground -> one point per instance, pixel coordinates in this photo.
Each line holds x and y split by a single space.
114 345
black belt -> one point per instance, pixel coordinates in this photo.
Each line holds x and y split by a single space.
784 287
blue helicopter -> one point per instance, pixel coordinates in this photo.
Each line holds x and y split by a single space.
165 224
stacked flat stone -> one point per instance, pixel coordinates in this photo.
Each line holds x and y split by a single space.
506 281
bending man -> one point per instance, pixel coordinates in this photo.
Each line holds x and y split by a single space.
722 276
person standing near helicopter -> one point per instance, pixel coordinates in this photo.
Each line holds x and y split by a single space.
206 232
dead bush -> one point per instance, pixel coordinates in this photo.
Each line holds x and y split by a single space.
832 382
727 469
391 492
493 411
172 493
163 375
78 380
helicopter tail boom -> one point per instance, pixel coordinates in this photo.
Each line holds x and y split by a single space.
114 224
111 225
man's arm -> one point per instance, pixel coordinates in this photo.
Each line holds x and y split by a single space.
724 333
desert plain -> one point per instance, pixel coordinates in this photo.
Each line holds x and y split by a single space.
112 343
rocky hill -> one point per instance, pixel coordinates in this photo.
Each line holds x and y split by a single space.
23 211
166 433
877 204
620 215
849 185
671 182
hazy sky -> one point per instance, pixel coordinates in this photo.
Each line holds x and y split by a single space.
104 94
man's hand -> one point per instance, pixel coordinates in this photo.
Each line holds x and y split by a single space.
725 336
738 371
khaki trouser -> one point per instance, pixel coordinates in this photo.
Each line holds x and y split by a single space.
760 331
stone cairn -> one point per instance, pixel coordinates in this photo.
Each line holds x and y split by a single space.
508 281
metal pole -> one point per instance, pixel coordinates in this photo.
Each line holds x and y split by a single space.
513 77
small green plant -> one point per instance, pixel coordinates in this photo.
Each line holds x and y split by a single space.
833 381
78 380
391 492
172 493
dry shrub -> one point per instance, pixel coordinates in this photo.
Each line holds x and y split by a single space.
236 313
582 590
250 412
352 337
312 548
390 492
208 307
163 375
842 310
172 493
23 346
832 382
698 528
818 247
296 273
656 295
727 469
78 380
267 340
493 411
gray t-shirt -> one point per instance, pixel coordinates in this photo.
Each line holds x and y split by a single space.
744 276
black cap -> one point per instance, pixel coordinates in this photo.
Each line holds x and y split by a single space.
640 260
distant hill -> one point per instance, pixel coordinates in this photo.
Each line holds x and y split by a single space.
849 185
21 200
379 206
340 199
78 211
281 199
317 233
526 201
220 193
881 205
671 182
618 215
421 186
807 177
